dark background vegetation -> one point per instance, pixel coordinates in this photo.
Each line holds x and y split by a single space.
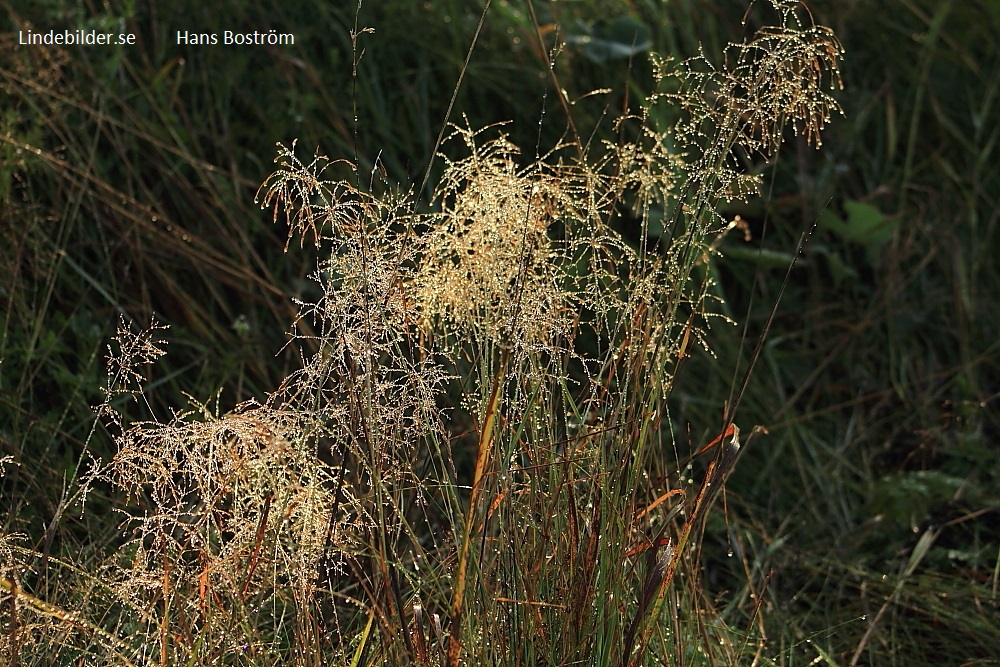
867 522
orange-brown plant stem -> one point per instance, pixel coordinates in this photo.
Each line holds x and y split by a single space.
658 579
482 461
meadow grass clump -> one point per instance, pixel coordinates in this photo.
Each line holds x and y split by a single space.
346 519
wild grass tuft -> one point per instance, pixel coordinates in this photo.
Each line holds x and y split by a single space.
475 461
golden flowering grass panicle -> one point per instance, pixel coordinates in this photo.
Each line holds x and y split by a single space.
364 325
491 266
314 201
781 77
